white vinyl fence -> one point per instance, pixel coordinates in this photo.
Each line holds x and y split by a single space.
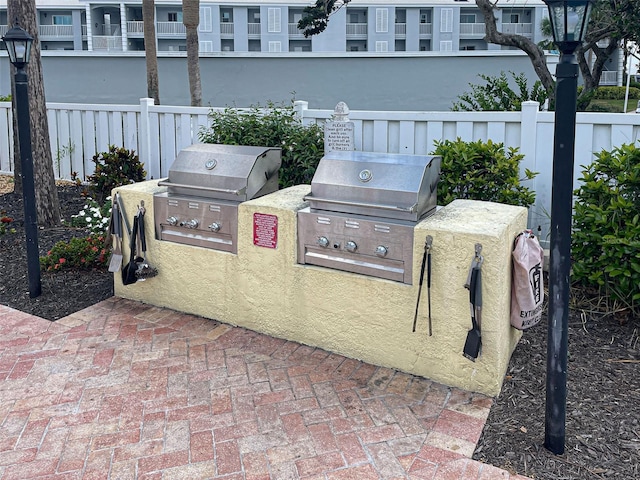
157 133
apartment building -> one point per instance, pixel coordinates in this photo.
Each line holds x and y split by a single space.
269 26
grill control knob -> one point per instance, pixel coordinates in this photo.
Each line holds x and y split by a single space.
215 227
323 242
381 251
350 246
173 221
193 223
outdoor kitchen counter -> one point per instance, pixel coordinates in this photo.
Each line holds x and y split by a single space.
371 319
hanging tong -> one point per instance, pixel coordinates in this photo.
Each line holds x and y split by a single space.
426 260
473 343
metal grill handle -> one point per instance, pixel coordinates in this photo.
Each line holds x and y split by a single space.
164 183
410 209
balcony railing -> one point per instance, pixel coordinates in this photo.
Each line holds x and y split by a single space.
176 29
3 30
106 30
426 29
56 31
83 29
473 29
107 43
525 29
135 27
294 31
401 29
253 29
226 28
356 30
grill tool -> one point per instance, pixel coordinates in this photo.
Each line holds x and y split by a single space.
116 226
473 343
129 270
426 260
144 270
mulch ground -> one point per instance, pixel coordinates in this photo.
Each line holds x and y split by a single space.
603 400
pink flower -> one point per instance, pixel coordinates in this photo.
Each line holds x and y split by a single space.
62 260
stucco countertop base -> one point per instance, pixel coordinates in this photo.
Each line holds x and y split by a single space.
266 290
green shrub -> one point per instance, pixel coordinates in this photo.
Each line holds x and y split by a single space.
79 253
114 168
273 126
606 226
615 93
481 171
497 95
5 98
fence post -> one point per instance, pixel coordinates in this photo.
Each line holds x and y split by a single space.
528 134
144 132
299 107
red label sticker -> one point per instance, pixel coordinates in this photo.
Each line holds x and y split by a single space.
265 230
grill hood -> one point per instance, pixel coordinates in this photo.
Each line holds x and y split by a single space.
226 172
384 185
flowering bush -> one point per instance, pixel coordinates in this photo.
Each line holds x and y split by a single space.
93 216
86 253
4 225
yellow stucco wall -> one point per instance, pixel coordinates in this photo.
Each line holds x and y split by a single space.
361 317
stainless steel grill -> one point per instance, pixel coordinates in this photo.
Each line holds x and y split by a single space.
206 184
363 208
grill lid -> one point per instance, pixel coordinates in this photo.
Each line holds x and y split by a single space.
227 172
380 184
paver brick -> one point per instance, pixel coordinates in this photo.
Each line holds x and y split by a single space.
131 391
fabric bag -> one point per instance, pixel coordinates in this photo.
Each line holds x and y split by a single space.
527 289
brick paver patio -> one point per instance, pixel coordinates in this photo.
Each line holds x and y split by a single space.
124 390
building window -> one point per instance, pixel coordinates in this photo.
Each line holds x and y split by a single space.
514 18
62 20
382 46
425 17
205 19
467 18
225 16
382 20
174 16
274 20
275 46
205 46
446 20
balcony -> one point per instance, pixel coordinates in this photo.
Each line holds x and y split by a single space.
226 29
294 31
107 43
401 30
55 32
170 29
135 28
253 30
426 29
3 30
356 31
524 29
472 29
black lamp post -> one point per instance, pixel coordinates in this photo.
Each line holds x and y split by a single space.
18 43
569 20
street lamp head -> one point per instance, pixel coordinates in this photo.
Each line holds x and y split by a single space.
569 19
18 43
